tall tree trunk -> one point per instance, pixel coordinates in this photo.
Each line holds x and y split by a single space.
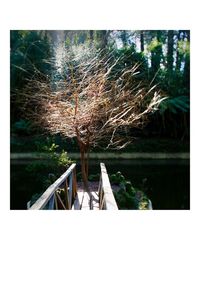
91 32
156 54
188 35
178 55
170 50
141 40
186 74
103 38
124 38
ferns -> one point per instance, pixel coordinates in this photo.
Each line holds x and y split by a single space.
175 105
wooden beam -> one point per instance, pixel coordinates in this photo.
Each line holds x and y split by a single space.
108 197
43 200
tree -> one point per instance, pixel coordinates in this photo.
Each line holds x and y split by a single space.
124 38
179 55
91 36
90 106
148 48
102 38
142 40
170 51
156 52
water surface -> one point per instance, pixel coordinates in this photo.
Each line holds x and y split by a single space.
166 182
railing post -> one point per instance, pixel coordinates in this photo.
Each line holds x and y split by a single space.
51 202
70 190
74 186
66 195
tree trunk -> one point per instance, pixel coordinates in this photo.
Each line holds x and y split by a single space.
186 74
103 38
186 71
156 54
178 56
124 38
170 50
141 41
91 36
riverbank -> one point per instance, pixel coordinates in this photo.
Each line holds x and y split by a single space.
36 144
107 155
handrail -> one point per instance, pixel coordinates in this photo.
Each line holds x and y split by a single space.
51 198
106 197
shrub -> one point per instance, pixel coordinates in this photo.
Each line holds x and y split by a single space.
127 196
47 171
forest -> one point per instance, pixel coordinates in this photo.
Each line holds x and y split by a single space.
88 91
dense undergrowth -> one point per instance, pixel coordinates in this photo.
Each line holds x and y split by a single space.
33 144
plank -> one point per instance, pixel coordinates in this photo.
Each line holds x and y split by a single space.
82 201
45 197
108 196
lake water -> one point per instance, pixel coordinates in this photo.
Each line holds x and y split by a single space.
166 182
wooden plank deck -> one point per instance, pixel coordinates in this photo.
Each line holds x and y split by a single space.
82 198
82 201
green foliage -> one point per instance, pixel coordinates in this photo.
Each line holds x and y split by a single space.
32 52
175 105
49 148
172 83
184 47
63 159
155 48
29 55
22 127
128 57
32 142
56 164
117 178
127 196
154 44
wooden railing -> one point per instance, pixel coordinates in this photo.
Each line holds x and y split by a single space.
61 194
106 197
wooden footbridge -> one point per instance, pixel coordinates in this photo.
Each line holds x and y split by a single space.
65 194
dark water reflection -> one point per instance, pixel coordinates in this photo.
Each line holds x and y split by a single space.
166 182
